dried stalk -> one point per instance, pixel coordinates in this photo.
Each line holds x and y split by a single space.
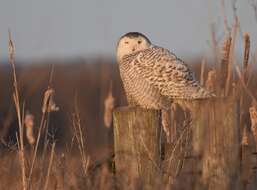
203 63
243 99
253 116
109 104
187 127
47 107
149 155
248 92
29 125
18 110
210 83
224 62
231 58
49 166
246 56
85 159
166 122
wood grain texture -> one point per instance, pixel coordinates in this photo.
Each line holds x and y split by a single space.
137 144
216 138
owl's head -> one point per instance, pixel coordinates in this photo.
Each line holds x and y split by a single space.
130 43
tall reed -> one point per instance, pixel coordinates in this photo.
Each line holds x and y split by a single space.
16 98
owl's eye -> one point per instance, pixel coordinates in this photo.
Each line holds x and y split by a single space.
139 41
126 42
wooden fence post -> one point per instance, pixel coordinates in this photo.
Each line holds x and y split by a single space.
216 138
137 145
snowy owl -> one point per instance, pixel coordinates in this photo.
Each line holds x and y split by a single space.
152 76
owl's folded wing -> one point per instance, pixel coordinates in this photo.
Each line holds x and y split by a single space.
169 74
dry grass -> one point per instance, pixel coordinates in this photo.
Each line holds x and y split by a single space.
74 166
70 146
253 116
211 81
224 63
246 56
16 99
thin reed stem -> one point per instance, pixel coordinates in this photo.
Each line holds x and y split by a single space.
49 166
230 75
203 63
224 63
249 93
18 111
246 56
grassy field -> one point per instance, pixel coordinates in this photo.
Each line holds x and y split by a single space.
56 122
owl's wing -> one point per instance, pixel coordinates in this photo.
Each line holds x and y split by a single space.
169 74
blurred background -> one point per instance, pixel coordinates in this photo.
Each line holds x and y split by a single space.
76 42
91 28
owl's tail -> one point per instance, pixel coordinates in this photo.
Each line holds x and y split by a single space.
190 101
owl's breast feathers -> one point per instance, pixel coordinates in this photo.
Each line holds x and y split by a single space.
165 72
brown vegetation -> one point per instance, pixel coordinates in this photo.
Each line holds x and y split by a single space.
75 149
56 126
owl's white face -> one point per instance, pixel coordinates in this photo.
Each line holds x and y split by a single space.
130 43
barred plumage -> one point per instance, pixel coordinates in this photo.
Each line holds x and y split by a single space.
153 77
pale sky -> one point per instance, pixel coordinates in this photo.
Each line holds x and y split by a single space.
69 28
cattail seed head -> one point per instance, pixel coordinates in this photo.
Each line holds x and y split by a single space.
253 117
48 102
109 104
10 47
29 125
224 62
210 83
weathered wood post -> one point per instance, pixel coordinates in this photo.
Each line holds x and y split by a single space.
137 145
216 138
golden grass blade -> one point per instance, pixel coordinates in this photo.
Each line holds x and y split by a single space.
47 107
85 159
11 51
246 56
202 71
249 93
49 166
